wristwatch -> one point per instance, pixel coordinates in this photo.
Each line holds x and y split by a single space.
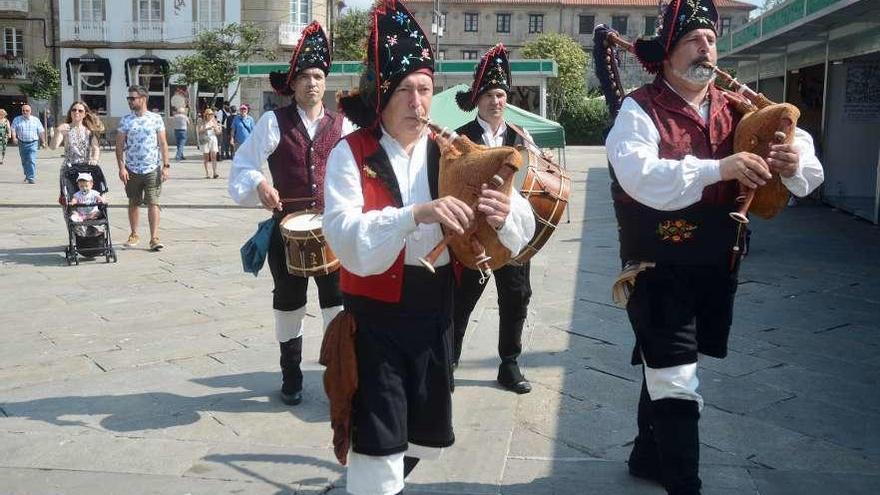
166 165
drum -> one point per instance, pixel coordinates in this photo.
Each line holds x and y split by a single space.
308 255
546 187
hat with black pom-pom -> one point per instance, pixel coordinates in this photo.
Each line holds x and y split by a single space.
493 72
677 18
312 51
396 47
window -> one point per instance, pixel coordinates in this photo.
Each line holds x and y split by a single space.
502 23
149 11
300 12
441 55
151 77
725 26
210 11
469 54
91 10
618 23
536 23
586 23
650 25
471 22
13 42
92 87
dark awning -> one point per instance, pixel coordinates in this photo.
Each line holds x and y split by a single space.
145 60
89 59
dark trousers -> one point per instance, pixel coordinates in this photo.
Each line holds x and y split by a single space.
514 293
290 290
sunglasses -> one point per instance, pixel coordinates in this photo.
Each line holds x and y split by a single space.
132 98
78 110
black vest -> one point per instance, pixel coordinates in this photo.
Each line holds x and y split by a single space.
474 131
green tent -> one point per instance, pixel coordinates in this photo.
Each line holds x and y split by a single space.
546 133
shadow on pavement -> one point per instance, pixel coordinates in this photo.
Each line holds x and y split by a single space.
159 410
35 256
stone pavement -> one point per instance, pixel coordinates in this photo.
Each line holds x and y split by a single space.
158 374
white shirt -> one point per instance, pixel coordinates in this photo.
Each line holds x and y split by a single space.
663 184
368 243
246 172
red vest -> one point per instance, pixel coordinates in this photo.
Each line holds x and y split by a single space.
701 233
298 163
385 286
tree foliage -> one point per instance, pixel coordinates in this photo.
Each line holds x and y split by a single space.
569 87
350 35
218 54
45 81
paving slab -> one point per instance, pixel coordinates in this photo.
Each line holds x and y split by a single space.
159 373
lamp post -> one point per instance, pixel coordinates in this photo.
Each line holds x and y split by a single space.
438 25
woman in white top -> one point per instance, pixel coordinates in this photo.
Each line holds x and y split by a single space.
81 129
211 129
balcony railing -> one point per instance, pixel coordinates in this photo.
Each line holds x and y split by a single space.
145 31
288 34
85 31
14 5
202 26
13 69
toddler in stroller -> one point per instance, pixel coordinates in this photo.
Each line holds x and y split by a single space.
85 213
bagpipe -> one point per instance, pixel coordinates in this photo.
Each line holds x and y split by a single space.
763 122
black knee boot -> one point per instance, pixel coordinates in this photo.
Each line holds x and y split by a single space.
678 441
644 460
291 374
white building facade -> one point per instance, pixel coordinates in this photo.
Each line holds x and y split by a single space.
107 45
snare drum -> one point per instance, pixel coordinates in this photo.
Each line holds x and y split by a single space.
546 187
308 255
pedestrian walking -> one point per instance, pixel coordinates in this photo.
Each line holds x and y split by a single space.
211 130
242 126
28 132
228 150
140 145
181 128
5 132
79 133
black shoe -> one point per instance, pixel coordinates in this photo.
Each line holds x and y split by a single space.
644 461
291 374
511 378
291 399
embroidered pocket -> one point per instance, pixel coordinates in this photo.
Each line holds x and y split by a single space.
675 231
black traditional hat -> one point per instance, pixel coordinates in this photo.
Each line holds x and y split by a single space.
396 48
492 72
313 50
677 18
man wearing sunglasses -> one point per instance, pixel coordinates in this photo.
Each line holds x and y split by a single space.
140 142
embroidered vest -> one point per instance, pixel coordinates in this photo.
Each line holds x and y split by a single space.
298 163
380 189
702 233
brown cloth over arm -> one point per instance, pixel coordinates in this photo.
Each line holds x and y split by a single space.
340 379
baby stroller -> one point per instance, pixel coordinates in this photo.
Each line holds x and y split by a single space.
87 238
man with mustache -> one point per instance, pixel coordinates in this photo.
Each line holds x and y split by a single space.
383 213
295 140
488 95
675 179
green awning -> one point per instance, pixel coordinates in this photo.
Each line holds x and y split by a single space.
546 133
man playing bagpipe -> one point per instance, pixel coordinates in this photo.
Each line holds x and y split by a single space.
676 179
382 214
